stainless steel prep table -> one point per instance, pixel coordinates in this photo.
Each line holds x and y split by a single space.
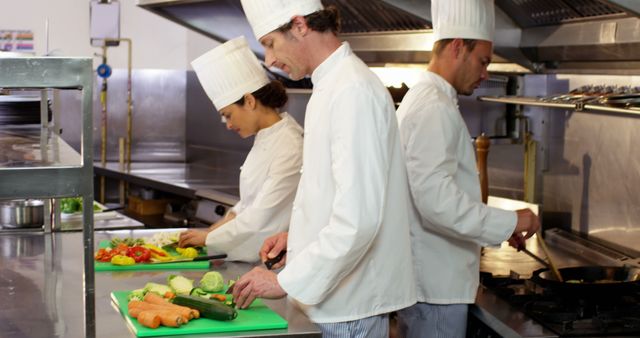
188 180
41 278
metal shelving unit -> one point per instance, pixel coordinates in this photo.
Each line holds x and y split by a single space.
60 172
575 106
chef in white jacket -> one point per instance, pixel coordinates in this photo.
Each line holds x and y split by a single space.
237 84
348 261
454 223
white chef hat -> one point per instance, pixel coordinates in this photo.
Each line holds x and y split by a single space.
266 15
229 71
463 19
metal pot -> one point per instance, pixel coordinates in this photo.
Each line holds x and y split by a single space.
22 214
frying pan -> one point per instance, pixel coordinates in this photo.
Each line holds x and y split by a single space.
591 281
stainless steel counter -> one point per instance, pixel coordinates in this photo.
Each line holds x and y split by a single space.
219 183
41 278
110 220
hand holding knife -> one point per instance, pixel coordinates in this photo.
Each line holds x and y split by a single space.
269 263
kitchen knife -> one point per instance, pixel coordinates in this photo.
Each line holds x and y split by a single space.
269 263
196 259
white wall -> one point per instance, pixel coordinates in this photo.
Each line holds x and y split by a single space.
157 42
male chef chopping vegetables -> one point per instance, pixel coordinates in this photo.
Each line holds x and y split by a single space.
348 260
454 223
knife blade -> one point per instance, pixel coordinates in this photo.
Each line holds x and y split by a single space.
196 259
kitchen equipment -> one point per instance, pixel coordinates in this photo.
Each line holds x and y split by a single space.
532 255
613 315
196 259
272 261
257 317
552 265
622 101
591 281
22 213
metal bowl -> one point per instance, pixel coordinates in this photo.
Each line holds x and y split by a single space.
22 213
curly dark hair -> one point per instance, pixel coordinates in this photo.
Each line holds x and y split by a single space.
272 95
440 45
322 21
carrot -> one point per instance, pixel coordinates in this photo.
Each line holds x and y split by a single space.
221 298
149 319
144 306
167 317
152 298
169 295
135 312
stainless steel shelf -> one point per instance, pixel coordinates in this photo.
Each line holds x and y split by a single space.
23 149
50 168
579 106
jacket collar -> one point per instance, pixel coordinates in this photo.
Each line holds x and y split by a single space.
443 85
330 63
265 133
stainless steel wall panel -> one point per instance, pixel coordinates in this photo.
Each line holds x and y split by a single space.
159 100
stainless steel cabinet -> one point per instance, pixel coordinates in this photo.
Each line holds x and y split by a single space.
61 172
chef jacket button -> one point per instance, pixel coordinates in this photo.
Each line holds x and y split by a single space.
301 170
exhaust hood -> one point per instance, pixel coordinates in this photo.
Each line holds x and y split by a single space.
543 36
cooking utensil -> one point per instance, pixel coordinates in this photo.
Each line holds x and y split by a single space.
591 281
199 258
272 261
532 255
22 213
552 265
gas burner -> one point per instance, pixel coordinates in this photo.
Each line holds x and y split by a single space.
570 316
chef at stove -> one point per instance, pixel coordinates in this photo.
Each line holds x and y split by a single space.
454 223
248 103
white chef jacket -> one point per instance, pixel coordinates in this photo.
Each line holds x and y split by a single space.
268 181
349 253
454 223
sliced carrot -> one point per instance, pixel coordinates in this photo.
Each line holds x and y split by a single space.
221 298
149 319
169 295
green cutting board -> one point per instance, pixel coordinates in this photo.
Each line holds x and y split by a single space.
257 317
102 266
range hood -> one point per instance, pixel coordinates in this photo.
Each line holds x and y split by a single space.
542 36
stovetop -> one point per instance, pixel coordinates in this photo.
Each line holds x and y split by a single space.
597 316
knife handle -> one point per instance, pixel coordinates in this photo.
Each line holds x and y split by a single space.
269 263
207 258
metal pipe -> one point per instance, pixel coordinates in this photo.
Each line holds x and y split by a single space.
129 137
103 129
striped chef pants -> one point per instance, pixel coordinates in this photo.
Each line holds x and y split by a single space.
370 327
433 321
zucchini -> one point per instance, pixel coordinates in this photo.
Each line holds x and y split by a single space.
208 308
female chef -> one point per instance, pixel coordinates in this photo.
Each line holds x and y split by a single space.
248 102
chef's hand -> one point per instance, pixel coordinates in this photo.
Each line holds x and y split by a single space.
259 282
272 247
193 238
527 222
517 241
